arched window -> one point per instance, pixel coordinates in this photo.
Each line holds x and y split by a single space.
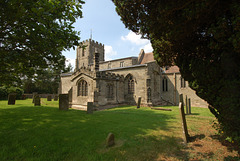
165 84
130 85
149 95
82 88
183 83
110 91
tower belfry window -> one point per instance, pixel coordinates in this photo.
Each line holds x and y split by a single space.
83 52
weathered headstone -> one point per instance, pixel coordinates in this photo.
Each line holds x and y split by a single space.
139 102
55 97
186 105
23 97
63 102
37 100
189 106
49 98
110 140
70 93
181 98
33 96
90 108
11 99
184 123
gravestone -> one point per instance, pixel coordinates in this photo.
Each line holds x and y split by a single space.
186 105
55 97
181 98
37 100
11 99
189 106
33 95
63 102
110 141
49 98
90 108
184 123
23 97
139 102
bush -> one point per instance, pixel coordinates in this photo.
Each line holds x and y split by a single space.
4 91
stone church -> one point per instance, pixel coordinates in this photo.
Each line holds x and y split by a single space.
123 81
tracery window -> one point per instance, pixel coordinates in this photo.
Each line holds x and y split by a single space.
110 91
165 84
149 97
82 88
130 85
183 82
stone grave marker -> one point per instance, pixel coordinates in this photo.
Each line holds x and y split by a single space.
187 112
55 97
37 100
181 98
33 96
49 98
11 99
110 141
184 123
23 97
63 102
139 102
90 108
189 106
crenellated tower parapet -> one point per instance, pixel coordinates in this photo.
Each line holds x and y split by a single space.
86 52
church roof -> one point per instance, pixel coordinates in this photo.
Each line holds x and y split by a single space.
172 69
148 57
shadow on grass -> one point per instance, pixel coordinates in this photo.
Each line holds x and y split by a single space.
45 133
196 137
230 146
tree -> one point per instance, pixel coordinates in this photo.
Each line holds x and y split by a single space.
202 37
33 34
46 81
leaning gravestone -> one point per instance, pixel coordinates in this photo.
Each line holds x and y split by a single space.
33 96
55 97
187 112
139 102
184 123
49 98
37 100
189 106
90 108
11 99
63 102
110 140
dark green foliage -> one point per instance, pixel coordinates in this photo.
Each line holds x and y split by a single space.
46 81
33 35
4 92
203 39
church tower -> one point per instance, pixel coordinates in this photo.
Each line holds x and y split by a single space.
86 53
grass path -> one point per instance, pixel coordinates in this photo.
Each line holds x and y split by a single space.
45 133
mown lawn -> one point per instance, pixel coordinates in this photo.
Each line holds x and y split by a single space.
45 133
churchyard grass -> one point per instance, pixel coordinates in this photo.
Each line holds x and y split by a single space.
44 132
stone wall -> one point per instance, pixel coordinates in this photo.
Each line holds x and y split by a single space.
139 74
125 62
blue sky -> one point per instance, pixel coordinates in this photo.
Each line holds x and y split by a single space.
107 28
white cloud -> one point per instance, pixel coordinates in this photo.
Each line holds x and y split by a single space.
134 38
147 48
109 52
70 61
